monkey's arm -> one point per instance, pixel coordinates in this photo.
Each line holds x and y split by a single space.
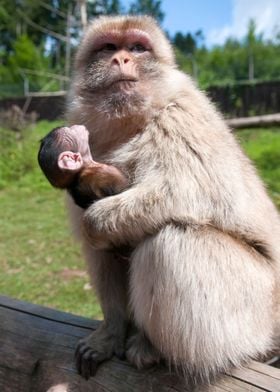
154 198
123 219
128 217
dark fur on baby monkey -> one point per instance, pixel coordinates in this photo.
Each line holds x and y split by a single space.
66 161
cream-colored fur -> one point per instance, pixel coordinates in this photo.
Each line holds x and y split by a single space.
204 274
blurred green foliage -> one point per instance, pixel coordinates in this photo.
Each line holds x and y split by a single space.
251 58
33 37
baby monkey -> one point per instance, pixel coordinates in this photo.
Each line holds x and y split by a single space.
66 161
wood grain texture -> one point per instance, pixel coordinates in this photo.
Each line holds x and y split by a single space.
37 346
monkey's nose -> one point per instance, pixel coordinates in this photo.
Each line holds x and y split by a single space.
120 59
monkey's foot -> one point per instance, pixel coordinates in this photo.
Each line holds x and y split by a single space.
140 352
99 346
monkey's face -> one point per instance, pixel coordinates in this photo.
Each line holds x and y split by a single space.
119 62
120 67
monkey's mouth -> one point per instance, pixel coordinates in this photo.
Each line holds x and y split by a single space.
124 82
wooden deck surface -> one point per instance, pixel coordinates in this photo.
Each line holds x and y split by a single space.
37 346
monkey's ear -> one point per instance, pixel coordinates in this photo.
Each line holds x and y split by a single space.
68 160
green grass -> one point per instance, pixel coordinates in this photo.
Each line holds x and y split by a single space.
39 259
263 147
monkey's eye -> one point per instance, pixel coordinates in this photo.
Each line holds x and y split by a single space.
137 48
109 47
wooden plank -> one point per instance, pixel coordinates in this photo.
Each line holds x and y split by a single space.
230 384
36 355
255 378
47 313
264 369
39 350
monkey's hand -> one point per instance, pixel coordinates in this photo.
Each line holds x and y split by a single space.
126 218
100 223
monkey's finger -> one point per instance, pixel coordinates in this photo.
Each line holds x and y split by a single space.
93 364
86 364
80 352
95 358
78 347
99 356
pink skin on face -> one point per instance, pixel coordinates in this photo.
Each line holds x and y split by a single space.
129 37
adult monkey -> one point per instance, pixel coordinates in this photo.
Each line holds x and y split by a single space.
202 286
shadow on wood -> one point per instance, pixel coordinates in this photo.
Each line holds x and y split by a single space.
37 346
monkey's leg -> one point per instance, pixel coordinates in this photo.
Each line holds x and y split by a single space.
109 276
204 300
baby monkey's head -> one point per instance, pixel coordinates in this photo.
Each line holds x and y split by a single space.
62 154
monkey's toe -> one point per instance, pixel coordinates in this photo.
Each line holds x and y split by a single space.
87 360
96 348
141 353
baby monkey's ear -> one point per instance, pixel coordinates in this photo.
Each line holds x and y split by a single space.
68 160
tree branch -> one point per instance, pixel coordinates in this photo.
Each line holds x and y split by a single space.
40 28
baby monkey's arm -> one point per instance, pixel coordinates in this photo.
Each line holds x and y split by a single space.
95 181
